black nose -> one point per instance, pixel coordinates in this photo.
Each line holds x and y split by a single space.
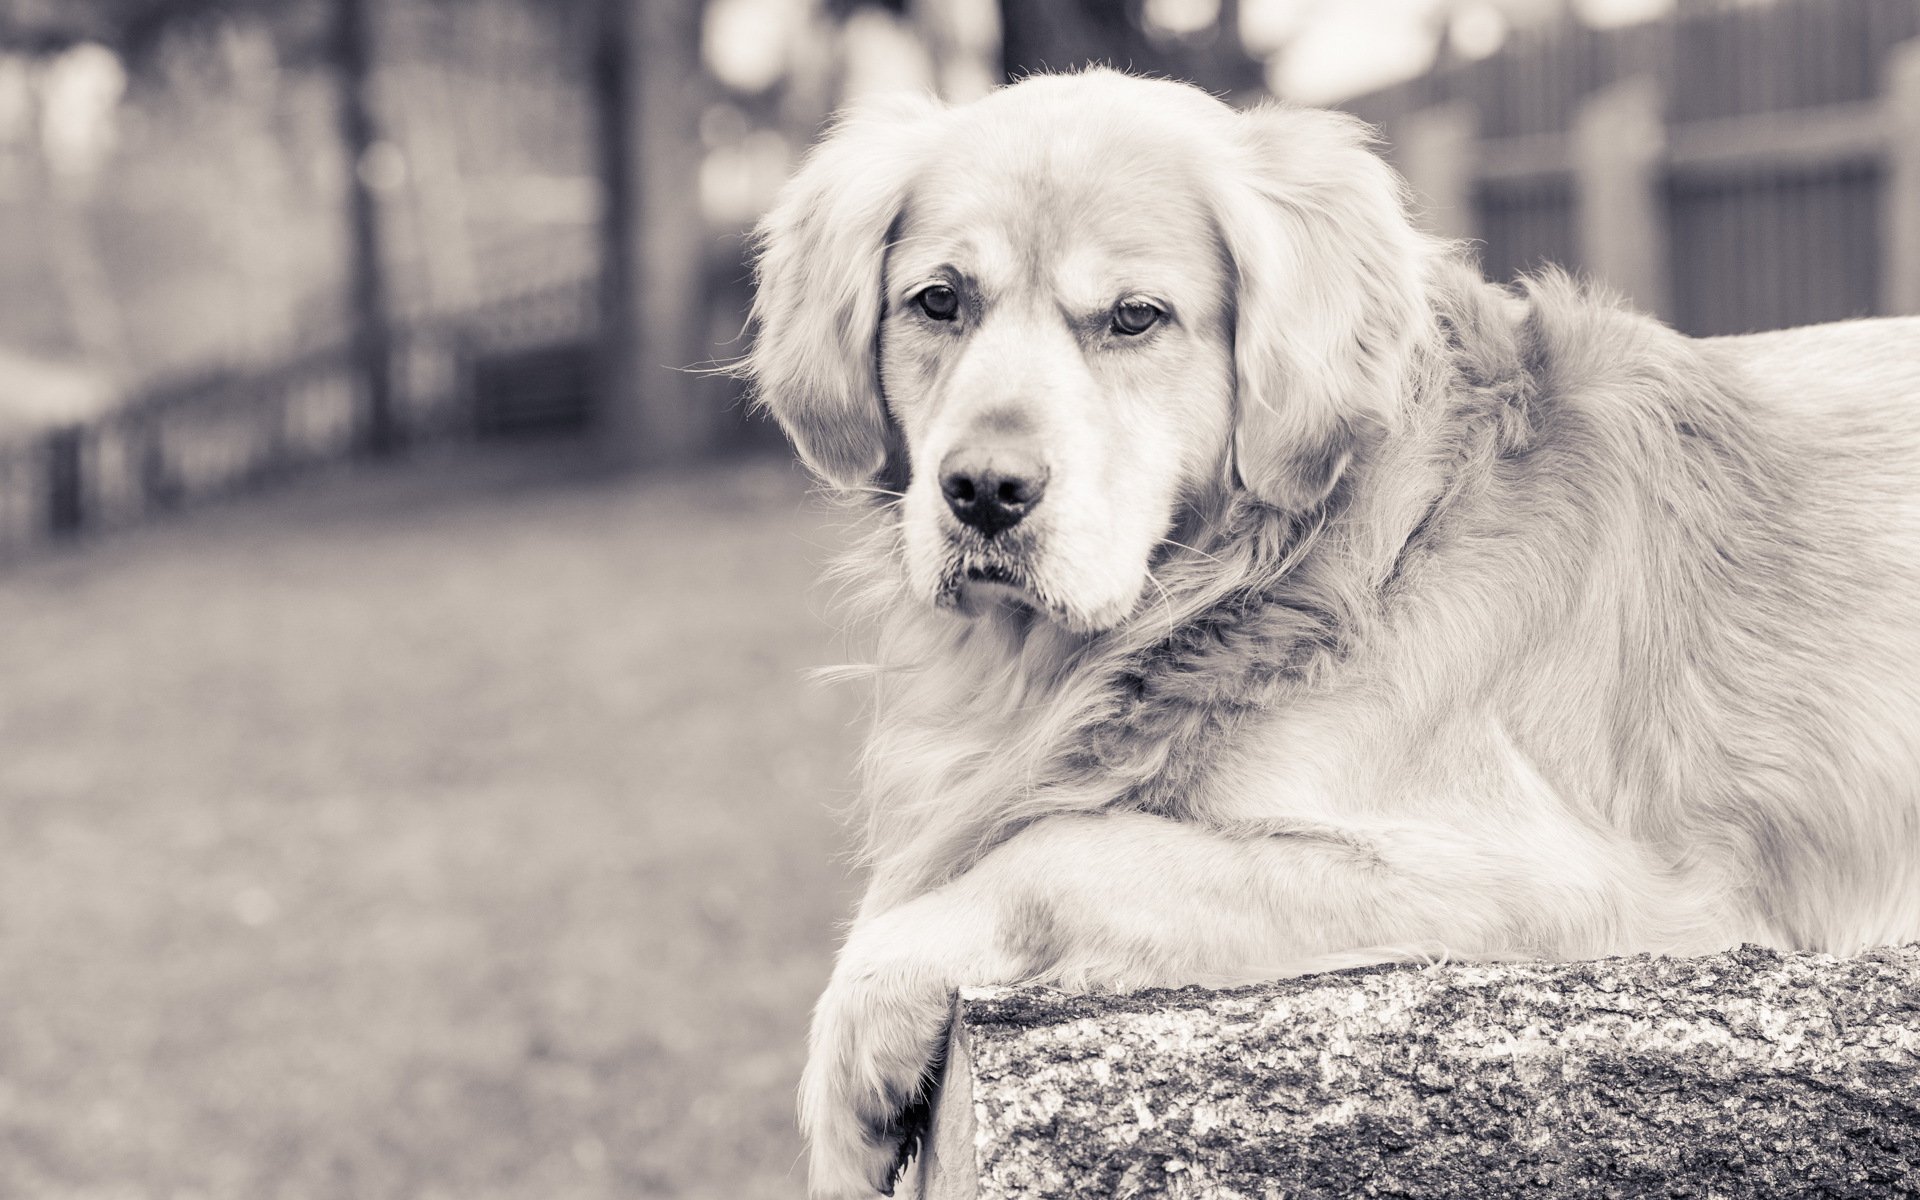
992 489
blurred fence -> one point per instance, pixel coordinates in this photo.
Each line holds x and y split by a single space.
515 365
1734 167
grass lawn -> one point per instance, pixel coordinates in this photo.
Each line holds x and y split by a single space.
453 830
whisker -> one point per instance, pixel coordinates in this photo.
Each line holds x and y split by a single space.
1167 541
874 489
1166 601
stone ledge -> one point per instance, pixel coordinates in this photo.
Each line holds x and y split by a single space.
1749 1073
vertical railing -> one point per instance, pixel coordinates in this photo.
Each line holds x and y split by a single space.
65 450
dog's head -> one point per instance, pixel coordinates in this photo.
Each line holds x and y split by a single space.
1062 313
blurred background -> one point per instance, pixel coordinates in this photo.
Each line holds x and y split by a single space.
408 783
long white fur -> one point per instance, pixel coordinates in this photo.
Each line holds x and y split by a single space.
1455 620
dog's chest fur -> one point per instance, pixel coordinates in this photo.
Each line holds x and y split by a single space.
1010 720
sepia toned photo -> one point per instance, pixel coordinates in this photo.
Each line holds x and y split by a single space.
959 599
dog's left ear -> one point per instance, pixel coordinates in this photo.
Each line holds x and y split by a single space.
817 302
1331 298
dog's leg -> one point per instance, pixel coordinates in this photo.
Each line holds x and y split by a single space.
1125 900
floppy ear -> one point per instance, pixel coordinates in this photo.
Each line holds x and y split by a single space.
817 303
1331 298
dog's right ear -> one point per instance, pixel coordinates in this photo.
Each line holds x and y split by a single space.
818 298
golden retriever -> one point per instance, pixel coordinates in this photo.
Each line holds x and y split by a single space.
1257 589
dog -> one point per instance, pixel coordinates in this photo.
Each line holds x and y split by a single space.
1257 590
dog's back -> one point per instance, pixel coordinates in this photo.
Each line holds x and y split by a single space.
1775 690
1846 398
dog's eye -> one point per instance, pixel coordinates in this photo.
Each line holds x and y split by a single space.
939 302
1135 317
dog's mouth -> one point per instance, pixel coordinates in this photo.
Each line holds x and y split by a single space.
973 590
993 573
978 576
982 575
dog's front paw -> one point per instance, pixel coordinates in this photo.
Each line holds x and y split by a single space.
877 1033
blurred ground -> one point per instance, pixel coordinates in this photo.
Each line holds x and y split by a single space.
457 830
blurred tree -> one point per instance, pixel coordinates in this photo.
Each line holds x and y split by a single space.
135 28
649 95
1203 46
341 31
67 101
371 317
55 33
612 81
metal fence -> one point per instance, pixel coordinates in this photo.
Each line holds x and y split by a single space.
517 364
1737 166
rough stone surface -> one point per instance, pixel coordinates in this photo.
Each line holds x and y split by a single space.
1749 1073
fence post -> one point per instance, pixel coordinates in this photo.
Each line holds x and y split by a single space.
1620 211
1900 204
66 480
157 490
1437 152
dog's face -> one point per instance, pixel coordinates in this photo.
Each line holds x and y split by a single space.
1062 314
1058 360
